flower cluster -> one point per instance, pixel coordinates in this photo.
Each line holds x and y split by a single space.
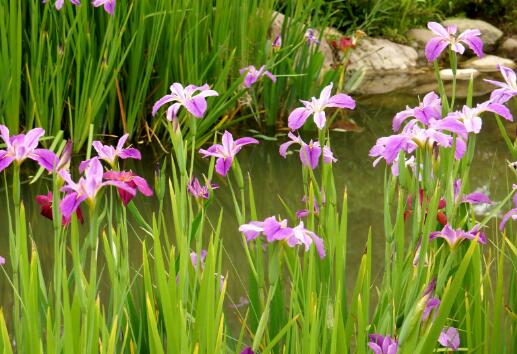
109 5
278 230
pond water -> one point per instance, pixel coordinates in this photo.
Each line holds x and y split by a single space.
274 176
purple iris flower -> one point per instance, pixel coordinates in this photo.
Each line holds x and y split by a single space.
511 214
63 162
309 153
275 230
277 42
110 154
186 97
430 108
447 36
506 89
453 237
133 183
86 188
196 259
380 344
247 350
226 151
471 198
470 117
310 37
22 146
200 191
252 74
316 107
431 305
450 338
109 5
305 212
414 135
305 237
59 3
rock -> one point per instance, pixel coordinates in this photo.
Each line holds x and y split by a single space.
489 33
509 47
461 74
489 63
375 84
419 37
381 55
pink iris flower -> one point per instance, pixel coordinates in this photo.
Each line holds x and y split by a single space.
58 4
454 237
446 36
450 338
507 89
186 97
226 151
109 5
22 146
470 117
310 37
309 153
132 182
430 108
86 188
511 214
278 230
380 344
317 106
252 75
200 191
110 154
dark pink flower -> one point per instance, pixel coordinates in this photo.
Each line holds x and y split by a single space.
45 202
86 188
132 182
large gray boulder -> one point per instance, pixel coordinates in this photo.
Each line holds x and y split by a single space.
489 33
381 55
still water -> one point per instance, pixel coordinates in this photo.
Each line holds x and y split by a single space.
275 177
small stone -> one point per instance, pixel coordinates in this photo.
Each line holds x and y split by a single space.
461 74
489 63
489 33
509 47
